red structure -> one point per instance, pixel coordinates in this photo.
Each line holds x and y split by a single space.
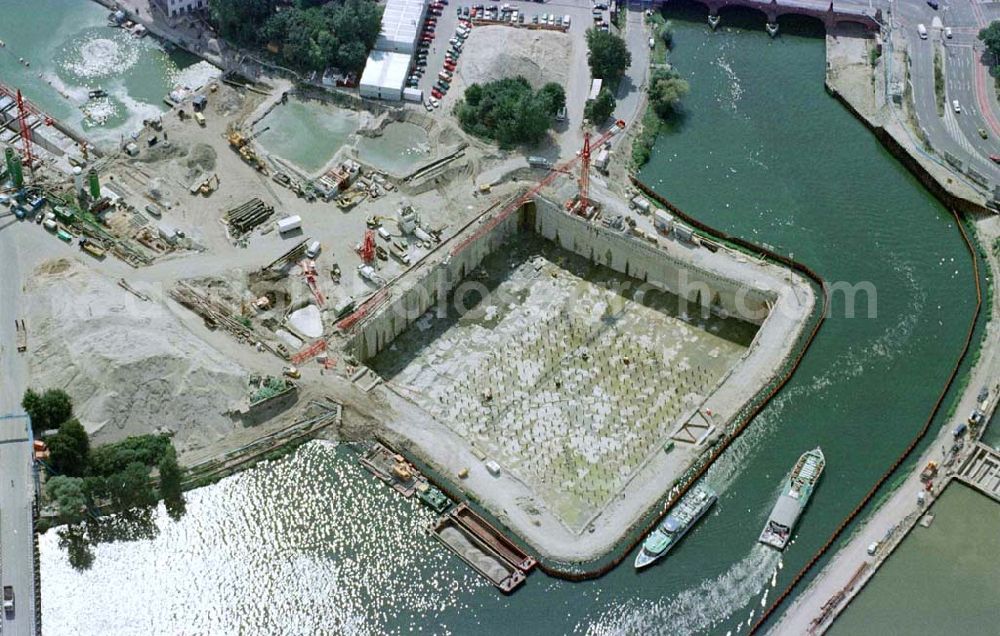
585 170
367 249
25 131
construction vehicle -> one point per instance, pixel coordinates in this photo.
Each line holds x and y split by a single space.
241 144
350 199
291 372
208 186
929 472
91 247
335 273
22 335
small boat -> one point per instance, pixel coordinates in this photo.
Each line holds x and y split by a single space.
669 533
713 21
97 93
793 499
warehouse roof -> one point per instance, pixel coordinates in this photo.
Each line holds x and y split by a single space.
386 69
401 21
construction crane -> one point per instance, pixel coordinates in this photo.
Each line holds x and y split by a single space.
25 131
377 299
551 176
366 250
309 271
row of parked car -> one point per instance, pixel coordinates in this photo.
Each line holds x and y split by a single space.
510 15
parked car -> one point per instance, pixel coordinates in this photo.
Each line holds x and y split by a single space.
534 19
933 4
436 93
995 158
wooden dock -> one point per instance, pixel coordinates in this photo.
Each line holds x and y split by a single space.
981 470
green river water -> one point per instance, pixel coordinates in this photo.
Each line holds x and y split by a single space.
70 50
312 545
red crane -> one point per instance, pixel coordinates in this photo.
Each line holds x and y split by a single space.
585 170
22 123
530 194
367 248
382 295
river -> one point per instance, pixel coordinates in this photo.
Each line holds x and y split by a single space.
69 50
311 545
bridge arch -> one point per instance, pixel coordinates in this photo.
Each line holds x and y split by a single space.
802 24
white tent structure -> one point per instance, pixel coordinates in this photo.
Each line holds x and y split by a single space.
401 22
385 75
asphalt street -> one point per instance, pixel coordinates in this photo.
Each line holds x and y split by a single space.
967 79
16 484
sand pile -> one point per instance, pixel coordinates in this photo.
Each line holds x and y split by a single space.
130 367
495 52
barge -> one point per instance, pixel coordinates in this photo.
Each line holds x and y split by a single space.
509 550
477 554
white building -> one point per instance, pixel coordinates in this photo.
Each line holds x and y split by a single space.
174 8
385 75
401 23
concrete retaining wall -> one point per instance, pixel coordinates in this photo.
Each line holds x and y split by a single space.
632 257
436 282
649 264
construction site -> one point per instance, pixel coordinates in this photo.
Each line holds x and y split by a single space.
558 353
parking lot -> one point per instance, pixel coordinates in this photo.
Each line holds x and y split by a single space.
574 17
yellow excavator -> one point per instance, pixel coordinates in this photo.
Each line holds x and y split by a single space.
241 144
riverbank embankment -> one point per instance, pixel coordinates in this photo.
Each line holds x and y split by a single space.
851 80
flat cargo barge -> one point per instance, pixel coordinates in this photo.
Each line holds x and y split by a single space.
494 538
480 557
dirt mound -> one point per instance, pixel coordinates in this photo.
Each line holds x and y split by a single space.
495 52
130 367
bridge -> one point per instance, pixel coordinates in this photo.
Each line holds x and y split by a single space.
830 13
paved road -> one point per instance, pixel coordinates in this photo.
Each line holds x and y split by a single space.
16 487
966 80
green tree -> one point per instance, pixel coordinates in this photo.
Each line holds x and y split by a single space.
108 459
241 21
47 410
607 55
69 449
67 493
667 34
170 483
990 36
508 111
554 96
598 110
131 488
666 88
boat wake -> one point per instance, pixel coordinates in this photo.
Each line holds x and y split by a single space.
696 609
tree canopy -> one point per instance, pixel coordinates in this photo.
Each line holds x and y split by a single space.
69 449
170 483
990 36
666 88
241 20
131 488
147 450
508 111
597 110
338 34
607 55
47 410
67 493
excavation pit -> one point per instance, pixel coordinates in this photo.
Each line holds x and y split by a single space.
566 373
568 376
